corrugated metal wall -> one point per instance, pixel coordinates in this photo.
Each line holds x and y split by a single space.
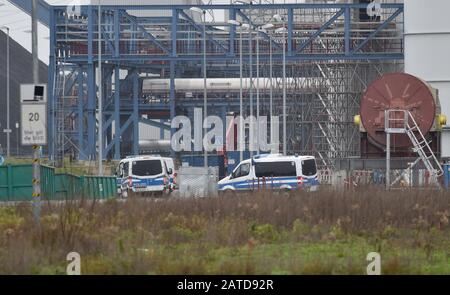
20 73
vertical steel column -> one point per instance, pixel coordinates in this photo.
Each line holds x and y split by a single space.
290 29
271 84
205 93
91 150
173 72
172 99
446 175
284 92
91 85
135 113
347 30
109 150
50 91
100 92
231 51
251 82
8 98
161 130
34 40
117 128
388 160
173 33
116 33
133 41
388 148
80 81
257 91
241 99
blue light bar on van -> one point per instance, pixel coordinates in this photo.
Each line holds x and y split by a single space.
143 156
262 156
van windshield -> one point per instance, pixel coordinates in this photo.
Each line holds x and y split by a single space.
275 169
147 167
309 167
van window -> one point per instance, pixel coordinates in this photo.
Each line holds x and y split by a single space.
309 167
146 168
169 165
242 171
275 169
245 170
165 166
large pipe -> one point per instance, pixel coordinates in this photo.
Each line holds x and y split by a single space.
220 84
157 144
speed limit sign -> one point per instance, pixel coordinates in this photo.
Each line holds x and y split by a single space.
34 114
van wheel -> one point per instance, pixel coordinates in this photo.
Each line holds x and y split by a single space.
286 192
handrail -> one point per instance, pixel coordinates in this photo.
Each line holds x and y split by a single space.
441 171
408 125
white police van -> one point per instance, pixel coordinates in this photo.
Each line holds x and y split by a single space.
272 171
151 174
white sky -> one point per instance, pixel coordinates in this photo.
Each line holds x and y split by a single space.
20 23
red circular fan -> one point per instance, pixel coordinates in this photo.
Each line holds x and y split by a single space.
397 91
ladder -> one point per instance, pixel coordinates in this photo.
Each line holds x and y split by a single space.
402 122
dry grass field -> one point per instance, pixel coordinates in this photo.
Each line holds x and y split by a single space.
327 232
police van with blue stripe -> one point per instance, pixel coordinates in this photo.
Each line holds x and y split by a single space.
145 175
272 171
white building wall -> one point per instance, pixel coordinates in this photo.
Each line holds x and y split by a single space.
427 45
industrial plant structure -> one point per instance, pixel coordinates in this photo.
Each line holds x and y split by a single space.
333 51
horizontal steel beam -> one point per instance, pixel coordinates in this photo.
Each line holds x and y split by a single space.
246 6
297 57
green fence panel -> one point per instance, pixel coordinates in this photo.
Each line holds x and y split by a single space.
4 183
66 186
21 183
47 182
99 187
16 184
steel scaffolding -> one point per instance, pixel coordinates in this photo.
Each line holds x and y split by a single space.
333 52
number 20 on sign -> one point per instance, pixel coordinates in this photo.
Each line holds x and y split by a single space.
34 114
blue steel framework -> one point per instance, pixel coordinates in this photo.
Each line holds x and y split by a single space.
136 42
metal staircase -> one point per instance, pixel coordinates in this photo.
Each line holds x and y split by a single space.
422 147
402 122
63 109
59 114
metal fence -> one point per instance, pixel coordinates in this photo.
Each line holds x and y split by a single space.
197 181
419 178
16 184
